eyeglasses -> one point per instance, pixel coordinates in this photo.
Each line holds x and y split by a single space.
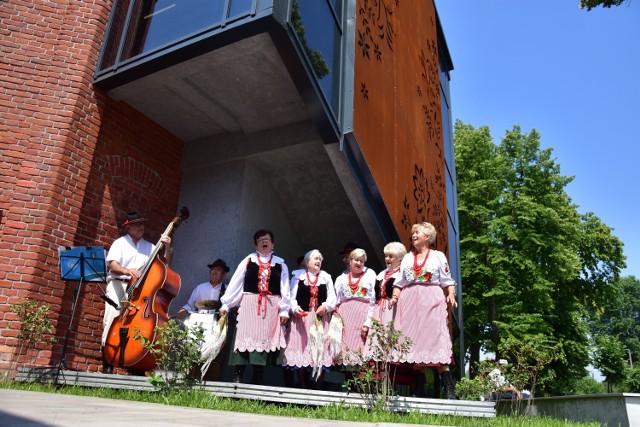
264 239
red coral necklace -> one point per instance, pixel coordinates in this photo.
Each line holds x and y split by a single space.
390 273
418 268
354 286
309 279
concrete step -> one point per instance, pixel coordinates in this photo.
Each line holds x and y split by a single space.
296 396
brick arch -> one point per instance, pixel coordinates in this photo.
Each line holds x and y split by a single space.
134 184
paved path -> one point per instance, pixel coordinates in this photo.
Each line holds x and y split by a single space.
28 408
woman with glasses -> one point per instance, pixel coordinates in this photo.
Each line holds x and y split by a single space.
260 289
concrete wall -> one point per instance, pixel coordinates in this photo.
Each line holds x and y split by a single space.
619 410
228 203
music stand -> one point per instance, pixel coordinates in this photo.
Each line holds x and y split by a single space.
79 264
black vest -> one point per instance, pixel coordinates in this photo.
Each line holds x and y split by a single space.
304 294
251 278
388 291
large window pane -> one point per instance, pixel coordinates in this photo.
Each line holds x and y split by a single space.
320 37
240 7
159 22
112 44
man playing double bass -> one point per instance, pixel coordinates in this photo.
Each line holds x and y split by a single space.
126 256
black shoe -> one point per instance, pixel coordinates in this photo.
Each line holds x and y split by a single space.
257 377
237 374
107 370
449 387
136 373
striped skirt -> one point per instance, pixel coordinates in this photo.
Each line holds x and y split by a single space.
298 351
422 316
259 332
354 314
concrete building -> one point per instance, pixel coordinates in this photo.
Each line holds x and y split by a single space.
326 121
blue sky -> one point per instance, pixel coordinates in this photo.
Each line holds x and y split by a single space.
572 75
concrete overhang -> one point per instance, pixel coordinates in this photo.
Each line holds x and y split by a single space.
246 88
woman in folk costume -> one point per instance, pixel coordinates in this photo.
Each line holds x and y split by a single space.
355 300
384 311
311 293
394 252
260 288
425 290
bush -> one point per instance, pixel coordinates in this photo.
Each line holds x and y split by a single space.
177 352
376 380
632 382
474 389
35 327
589 385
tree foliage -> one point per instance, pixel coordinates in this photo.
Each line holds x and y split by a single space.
616 328
620 316
530 261
632 382
590 4
610 360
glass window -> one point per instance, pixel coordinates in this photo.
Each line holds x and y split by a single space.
158 22
337 8
112 44
240 7
320 37
454 256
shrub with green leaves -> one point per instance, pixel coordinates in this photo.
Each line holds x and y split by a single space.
375 381
35 327
177 353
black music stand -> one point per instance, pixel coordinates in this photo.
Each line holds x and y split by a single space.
79 264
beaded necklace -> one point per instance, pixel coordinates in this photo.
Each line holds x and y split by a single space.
354 286
418 268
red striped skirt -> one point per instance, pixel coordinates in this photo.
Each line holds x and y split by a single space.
422 316
354 314
259 332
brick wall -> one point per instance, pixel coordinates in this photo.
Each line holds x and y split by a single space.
73 162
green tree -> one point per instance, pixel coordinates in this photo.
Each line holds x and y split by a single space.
618 320
590 4
530 262
480 171
632 382
588 385
609 359
620 315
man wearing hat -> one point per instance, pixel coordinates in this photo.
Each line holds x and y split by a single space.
125 260
206 296
345 252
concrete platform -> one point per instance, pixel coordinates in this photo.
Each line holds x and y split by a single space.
265 393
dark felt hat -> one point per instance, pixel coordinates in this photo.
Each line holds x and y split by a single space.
348 248
133 218
219 263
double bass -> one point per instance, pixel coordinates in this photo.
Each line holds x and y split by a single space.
145 308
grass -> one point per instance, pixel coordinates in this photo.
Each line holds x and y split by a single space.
205 400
